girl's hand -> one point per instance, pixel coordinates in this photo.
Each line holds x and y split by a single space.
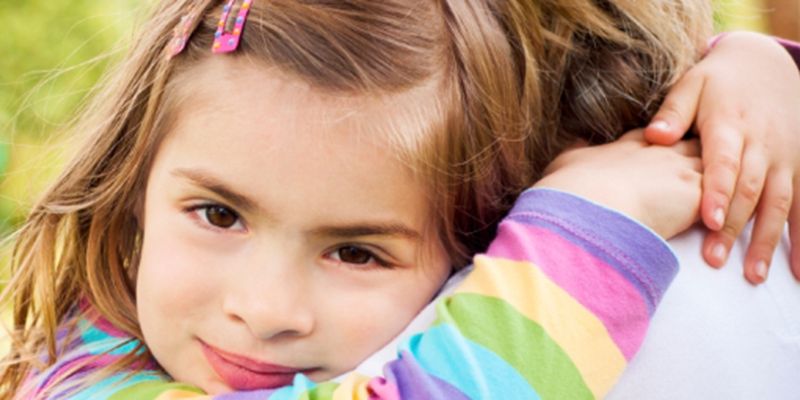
657 185
744 101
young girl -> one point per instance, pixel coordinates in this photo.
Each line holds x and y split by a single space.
231 219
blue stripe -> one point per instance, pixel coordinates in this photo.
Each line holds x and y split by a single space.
444 353
299 389
112 385
99 342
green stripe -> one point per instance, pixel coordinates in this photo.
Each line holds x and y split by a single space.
151 390
323 391
497 326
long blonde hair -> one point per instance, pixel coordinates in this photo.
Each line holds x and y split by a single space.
518 81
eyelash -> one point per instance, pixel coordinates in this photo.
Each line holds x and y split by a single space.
203 218
376 262
379 262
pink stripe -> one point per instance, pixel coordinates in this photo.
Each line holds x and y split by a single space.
93 316
594 284
109 329
380 388
711 43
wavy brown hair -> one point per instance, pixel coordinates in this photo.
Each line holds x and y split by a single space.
517 81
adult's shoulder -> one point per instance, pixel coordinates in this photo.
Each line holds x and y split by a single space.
717 336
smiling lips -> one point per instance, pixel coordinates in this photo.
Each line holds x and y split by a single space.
242 373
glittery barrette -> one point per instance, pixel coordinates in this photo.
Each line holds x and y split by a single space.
226 41
181 35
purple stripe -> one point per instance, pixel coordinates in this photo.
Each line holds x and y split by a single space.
631 249
793 48
414 383
249 395
59 369
78 365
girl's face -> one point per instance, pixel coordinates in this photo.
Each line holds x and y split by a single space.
280 235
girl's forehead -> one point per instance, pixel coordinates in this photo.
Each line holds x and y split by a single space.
239 88
240 80
266 133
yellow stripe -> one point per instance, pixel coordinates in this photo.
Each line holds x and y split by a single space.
354 387
579 332
177 394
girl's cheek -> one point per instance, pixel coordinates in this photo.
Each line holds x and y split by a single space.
175 271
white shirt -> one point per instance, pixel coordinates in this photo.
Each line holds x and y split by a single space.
714 336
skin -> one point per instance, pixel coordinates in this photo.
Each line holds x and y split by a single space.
288 279
619 175
747 121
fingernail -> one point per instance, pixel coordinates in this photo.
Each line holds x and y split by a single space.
719 217
761 270
719 252
660 125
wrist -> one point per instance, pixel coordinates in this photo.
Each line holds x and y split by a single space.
624 245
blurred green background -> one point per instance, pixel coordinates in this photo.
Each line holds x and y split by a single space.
51 55
53 52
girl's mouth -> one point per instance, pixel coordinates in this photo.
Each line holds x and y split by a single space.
243 373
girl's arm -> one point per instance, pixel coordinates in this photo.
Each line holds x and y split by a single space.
556 307
743 100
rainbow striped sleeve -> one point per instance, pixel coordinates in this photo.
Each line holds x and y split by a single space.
555 309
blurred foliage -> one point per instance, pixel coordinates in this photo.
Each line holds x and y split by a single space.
741 15
53 52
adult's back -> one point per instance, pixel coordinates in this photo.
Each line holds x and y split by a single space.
715 336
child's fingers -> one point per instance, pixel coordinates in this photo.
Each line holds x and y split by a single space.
677 112
773 209
722 152
748 191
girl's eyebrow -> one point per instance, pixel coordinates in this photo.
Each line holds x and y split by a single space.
366 229
208 181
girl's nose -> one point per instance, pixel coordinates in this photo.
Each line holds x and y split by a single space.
270 307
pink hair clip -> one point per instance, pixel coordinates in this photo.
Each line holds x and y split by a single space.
181 35
227 41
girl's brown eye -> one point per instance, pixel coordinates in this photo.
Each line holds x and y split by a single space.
221 217
354 255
